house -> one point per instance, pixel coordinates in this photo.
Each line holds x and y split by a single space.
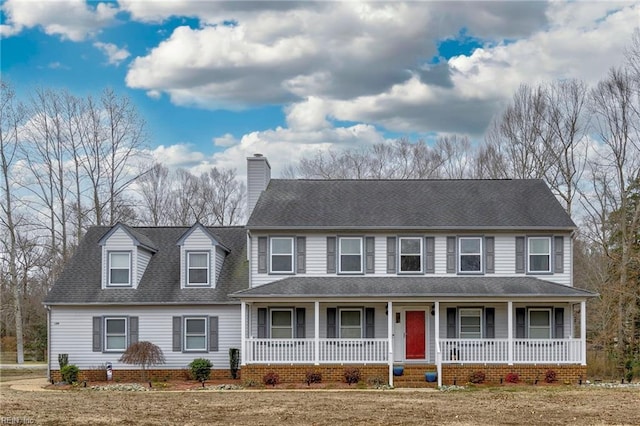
452 276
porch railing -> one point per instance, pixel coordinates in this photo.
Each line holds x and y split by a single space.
302 351
488 351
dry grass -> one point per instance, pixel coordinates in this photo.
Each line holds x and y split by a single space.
505 405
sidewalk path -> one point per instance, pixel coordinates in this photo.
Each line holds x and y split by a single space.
27 385
29 366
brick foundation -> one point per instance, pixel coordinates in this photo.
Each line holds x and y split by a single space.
528 373
156 375
330 373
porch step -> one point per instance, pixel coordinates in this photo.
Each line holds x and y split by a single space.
414 384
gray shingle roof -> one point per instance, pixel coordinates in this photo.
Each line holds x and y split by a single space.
359 287
80 281
424 204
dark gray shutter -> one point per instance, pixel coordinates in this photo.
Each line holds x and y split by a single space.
391 255
133 330
452 329
490 323
521 323
429 255
262 323
262 255
301 323
213 334
370 249
332 323
520 255
451 255
370 323
301 255
177 334
331 255
558 259
490 255
97 334
559 323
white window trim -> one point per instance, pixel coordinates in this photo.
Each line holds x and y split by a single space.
529 271
130 281
460 315
208 268
106 334
400 254
185 334
271 326
340 239
271 254
340 311
460 254
529 327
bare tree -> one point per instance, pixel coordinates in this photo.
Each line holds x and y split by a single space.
154 187
224 195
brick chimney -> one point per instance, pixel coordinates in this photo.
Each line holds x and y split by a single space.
258 177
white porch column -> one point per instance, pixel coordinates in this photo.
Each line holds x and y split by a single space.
583 332
436 337
390 339
243 333
510 332
316 332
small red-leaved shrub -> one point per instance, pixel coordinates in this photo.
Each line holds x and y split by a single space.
271 378
550 376
477 377
351 375
512 378
313 377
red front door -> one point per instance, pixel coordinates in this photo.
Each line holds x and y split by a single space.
415 335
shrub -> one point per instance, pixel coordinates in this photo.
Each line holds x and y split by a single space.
550 376
200 369
271 378
313 377
144 354
351 375
234 360
512 378
69 373
477 377
63 359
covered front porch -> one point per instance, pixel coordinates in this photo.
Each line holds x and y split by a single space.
329 328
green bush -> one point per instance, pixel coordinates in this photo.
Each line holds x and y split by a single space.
69 373
234 360
200 369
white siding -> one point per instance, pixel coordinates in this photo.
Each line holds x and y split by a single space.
72 333
198 240
220 255
143 260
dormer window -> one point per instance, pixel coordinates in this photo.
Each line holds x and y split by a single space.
198 268
120 268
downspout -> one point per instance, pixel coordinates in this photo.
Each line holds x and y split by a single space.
48 308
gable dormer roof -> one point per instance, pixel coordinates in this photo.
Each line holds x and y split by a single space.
138 238
206 231
442 204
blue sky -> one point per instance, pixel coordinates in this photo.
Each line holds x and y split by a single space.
218 81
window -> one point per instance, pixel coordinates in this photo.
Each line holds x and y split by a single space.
470 254
351 255
410 254
539 323
539 254
281 323
120 268
282 255
470 323
195 334
115 336
198 268
351 323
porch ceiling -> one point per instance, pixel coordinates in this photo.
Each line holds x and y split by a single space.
413 286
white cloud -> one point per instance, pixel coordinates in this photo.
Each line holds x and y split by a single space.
225 140
70 19
115 55
177 156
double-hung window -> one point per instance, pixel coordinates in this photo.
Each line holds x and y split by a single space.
470 254
539 250
350 323
281 255
282 323
115 336
198 268
539 323
119 268
410 254
350 255
470 323
195 334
